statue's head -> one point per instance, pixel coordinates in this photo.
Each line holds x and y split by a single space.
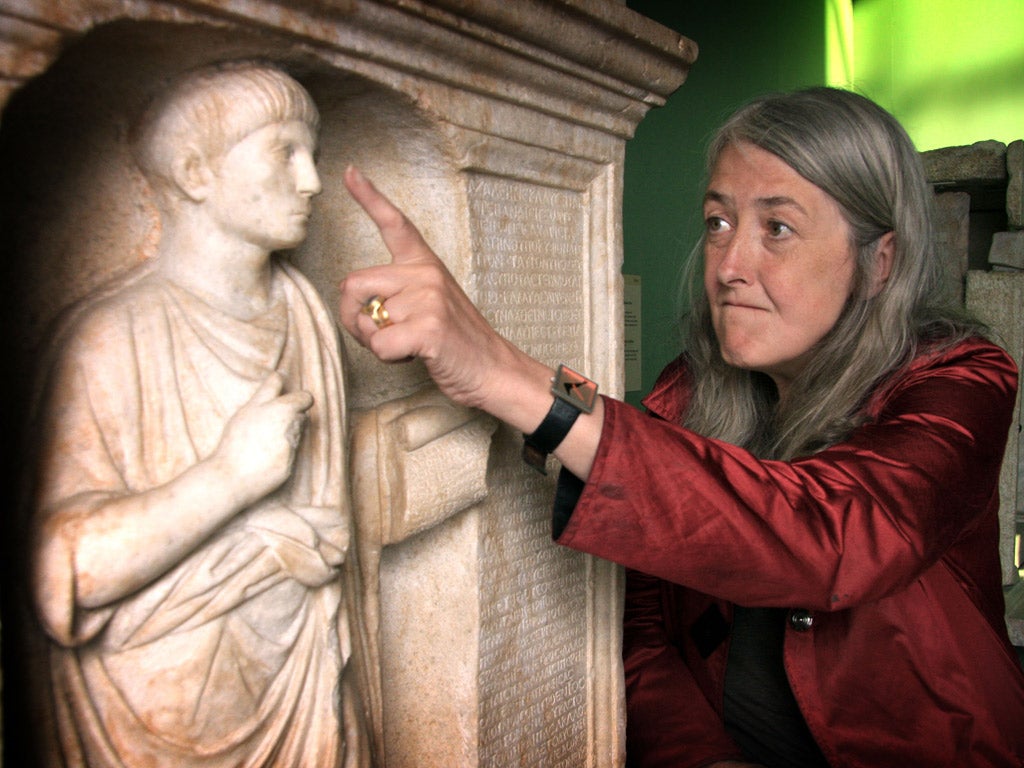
206 111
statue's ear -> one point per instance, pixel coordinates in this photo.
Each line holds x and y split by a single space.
192 173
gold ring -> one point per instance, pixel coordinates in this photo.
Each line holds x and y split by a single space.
376 311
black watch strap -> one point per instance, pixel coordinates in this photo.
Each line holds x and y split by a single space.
574 394
549 434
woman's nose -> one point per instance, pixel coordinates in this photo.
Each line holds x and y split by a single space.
735 260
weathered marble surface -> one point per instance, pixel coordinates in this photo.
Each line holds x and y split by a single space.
500 127
1015 184
191 535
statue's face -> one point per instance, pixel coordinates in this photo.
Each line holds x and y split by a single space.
263 186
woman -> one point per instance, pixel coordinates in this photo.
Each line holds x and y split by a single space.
810 521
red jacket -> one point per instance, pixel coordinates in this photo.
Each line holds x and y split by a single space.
884 546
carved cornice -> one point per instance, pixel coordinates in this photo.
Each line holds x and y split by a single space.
591 62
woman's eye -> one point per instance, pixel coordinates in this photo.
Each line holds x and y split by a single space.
715 224
778 229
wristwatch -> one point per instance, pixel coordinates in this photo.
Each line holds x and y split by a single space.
574 394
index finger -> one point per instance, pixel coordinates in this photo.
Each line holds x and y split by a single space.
402 239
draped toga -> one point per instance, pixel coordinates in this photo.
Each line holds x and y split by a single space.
235 656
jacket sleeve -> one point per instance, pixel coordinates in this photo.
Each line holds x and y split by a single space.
850 524
669 722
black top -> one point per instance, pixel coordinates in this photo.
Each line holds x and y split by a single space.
760 711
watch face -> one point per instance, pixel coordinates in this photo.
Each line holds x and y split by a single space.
575 389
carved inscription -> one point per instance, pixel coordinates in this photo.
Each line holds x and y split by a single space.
529 248
530 259
533 633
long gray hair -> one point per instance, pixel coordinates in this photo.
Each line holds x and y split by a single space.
858 154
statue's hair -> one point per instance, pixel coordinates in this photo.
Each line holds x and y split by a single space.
214 107
860 156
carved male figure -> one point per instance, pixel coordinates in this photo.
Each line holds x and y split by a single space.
193 561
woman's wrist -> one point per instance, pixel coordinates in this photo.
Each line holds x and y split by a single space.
572 394
519 393
518 390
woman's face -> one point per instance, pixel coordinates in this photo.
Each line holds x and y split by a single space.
779 263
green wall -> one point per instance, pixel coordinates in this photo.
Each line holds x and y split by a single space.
951 72
747 47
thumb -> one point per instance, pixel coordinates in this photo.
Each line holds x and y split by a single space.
401 237
300 400
268 389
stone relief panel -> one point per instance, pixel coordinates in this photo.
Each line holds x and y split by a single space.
189 529
170 363
502 135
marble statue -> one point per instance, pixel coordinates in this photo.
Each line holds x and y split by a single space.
193 548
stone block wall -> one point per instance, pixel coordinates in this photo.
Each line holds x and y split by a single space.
980 234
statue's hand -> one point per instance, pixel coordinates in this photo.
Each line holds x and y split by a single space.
258 446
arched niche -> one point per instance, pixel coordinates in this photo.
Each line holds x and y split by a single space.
76 214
